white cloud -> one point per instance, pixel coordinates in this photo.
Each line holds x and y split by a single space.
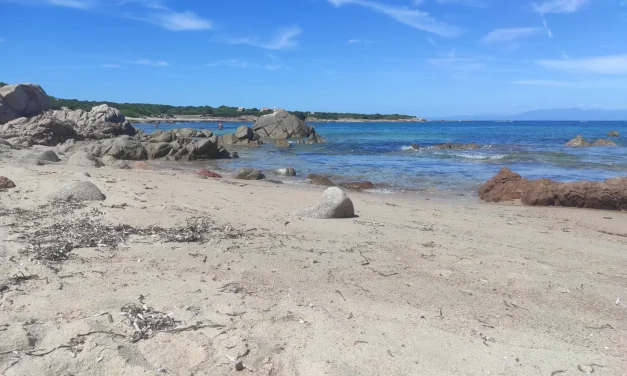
546 27
231 63
76 4
559 6
160 64
510 34
613 64
283 39
353 41
604 84
111 66
410 17
177 21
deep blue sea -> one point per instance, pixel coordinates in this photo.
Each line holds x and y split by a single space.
380 152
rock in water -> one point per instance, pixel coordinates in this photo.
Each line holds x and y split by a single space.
357 185
333 204
449 146
282 144
244 133
6 183
22 100
208 174
602 142
281 125
78 191
234 155
82 159
613 134
249 174
316 179
285 171
577 142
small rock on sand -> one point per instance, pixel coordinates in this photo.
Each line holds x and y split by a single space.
208 173
82 175
82 159
141 165
6 183
249 174
333 204
78 191
357 185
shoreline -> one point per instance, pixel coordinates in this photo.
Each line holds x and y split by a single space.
252 119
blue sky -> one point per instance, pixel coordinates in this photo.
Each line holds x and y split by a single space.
419 57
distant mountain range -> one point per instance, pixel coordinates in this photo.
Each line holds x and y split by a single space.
574 114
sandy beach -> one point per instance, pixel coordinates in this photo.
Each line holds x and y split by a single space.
412 286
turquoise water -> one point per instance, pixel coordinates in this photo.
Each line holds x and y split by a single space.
380 152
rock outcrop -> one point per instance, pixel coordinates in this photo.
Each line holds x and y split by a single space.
22 100
507 185
83 159
334 203
38 130
243 136
281 125
99 123
78 191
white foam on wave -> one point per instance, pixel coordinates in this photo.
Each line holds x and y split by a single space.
481 156
406 148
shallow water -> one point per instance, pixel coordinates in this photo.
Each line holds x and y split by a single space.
381 153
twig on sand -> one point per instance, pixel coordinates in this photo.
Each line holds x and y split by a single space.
384 274
558 372
366 259
339 292
605 326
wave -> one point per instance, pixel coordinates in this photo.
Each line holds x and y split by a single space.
482 157
408 148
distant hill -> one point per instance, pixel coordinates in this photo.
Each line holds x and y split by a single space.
558 114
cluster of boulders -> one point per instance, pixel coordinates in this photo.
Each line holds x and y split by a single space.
507 185
580 142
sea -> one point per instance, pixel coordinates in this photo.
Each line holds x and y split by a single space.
382 153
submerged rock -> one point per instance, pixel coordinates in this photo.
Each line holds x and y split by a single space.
449 146
282 144
334 203
358 185
507 185
613 134
288 171
6 183
249 174
602 142
78 191
316 179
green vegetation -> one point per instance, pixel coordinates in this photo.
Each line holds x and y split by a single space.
158 110
3 84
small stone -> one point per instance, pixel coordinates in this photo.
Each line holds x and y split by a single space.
78 191
207 173
239 366
333 204
141 165
6 183
249 174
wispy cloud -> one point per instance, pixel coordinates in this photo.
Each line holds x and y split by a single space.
511 34
360 41
559 6
76 4
231 63
613 64
430 40
546 27
453 62
468 3
598 84
151 63
176 21
111 66
410 17
283 39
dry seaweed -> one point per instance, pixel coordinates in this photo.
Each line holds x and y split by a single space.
146 321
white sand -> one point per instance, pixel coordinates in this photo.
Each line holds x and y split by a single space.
410 287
